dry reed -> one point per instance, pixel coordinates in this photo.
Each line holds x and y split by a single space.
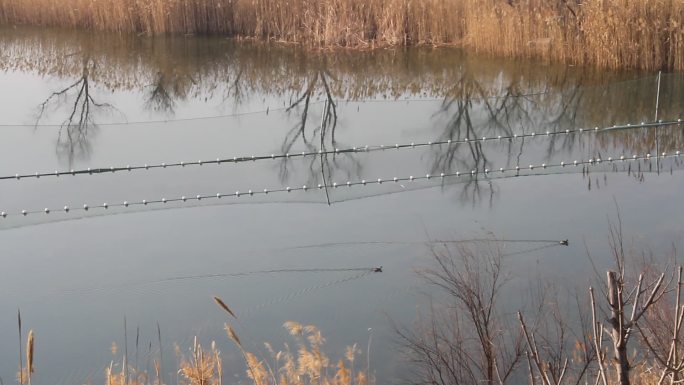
644 34
308 365
25 372
29 356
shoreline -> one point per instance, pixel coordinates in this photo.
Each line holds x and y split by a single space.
612 34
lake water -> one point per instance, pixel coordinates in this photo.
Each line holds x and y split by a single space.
187 114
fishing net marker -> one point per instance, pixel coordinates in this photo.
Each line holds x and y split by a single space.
303 154
515 171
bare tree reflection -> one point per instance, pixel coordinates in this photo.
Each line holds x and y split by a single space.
302 105
160 99
73 140
168 88
473 113
321 168
481 98
568 105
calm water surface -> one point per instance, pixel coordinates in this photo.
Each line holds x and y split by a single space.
77 101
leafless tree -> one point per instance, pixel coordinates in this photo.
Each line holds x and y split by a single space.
667 352
556 353
626 302
631 321
469 342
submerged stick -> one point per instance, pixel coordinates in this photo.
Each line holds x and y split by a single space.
160 374
21 363
325 184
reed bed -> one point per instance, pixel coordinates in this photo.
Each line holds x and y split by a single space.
348 23
645 34
307 364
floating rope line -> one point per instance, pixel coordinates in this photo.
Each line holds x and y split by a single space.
160 121
304 291
441 99
539 248
436 241
224 203
444 183
298 293
487 173
552 244
229 275
491 177
276 109
367 148
348 101
251 311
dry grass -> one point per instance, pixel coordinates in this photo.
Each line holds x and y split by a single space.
645 34
314 22
306 365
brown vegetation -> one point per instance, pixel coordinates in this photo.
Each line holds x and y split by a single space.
626 331
306 364
645 34
169 71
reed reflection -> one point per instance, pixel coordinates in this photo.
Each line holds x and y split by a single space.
160 96
481 97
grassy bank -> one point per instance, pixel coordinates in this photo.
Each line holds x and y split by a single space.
644 34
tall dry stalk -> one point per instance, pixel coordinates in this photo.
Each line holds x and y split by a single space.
308 366
21 365
25 372
29 356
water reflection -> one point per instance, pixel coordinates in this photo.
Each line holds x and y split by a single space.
305 101
498 96
312 92
80 107
161 96
325 131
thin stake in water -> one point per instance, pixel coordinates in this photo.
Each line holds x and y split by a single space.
21 363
